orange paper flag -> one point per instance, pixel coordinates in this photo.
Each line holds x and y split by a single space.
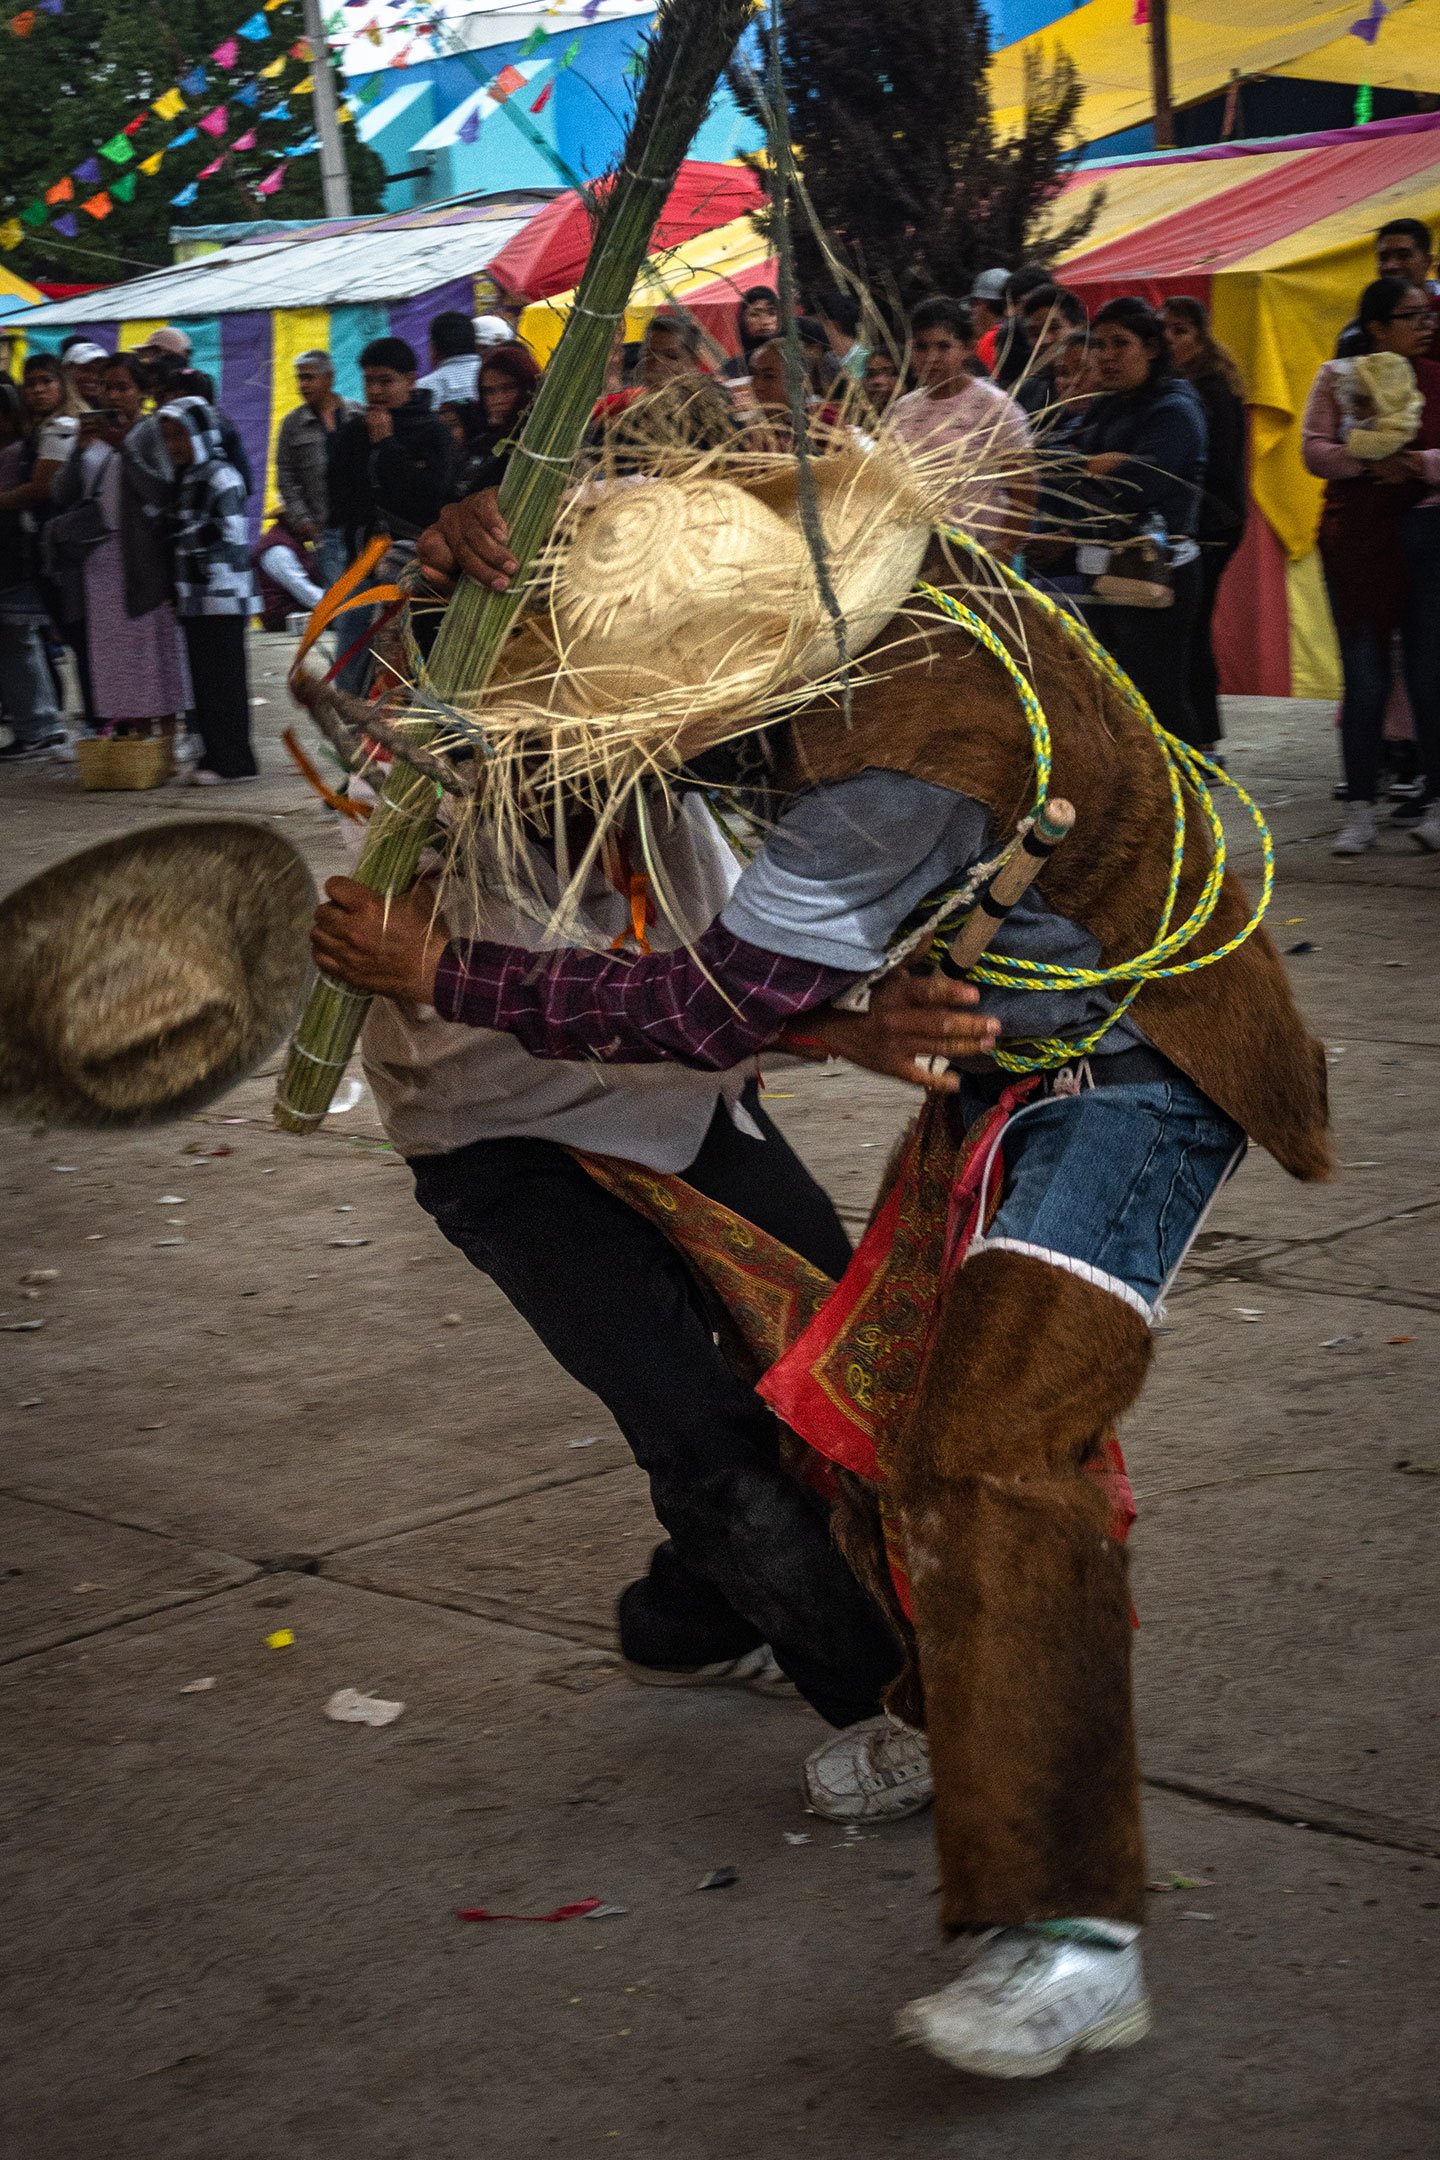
63 191
99 206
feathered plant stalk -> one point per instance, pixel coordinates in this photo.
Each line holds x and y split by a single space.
685 55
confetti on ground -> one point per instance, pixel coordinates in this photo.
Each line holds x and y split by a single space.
198 1687
1399 1338
348 1706
283 1638
41 1275
582 1910
1249 1312
720 1878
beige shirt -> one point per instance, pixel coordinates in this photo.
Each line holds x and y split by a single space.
439 1085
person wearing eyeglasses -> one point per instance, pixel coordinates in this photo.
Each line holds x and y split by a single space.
1371 432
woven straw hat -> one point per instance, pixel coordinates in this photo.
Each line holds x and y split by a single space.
145 976
679 605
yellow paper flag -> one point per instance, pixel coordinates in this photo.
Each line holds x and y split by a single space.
12 232
299 88
151 165
169 106
276 67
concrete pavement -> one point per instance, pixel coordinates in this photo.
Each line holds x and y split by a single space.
230 1922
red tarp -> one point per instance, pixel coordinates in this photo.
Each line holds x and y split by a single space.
550 255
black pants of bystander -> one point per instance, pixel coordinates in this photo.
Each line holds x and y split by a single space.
216 646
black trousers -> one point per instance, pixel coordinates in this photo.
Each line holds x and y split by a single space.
216 646
1204 674
749 1557
1153 647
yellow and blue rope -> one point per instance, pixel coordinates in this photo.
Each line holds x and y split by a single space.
1187 769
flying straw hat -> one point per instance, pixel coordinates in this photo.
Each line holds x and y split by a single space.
143 977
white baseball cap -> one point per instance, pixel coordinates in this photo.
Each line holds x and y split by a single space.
493 330
82 355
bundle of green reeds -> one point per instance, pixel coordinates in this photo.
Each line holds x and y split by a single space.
689 44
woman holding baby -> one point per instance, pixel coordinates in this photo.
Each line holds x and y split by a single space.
1371 431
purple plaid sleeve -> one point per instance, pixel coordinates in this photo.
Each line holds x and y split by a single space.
712 1006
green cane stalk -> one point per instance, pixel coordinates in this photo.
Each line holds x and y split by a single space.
685 54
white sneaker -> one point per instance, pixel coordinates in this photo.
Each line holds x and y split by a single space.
1357 835
756 1670
876 1771
1027 2001
1427 833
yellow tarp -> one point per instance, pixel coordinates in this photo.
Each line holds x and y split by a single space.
1210 41
1405 55
1134 196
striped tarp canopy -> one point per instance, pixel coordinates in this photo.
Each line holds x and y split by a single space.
1277 239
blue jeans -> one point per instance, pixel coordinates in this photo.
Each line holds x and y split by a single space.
1113 1183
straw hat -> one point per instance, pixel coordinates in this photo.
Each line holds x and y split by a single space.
679 606
145 976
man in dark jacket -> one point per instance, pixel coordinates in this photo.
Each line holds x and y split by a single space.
390 466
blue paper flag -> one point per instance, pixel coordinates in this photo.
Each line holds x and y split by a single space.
250 95
256 29
193 84
178 142
186 195
280 111
303 149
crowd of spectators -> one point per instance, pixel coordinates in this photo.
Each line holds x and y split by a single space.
1103 452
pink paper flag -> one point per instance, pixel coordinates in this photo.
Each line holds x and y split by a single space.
214 122
227 54
271 182
213 167
245 141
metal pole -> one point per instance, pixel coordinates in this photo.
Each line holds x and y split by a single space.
334 179
1159 73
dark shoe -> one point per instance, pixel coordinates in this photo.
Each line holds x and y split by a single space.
1408 813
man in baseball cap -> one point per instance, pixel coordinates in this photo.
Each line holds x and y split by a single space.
169 341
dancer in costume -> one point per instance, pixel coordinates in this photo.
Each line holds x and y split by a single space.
1141 1096
749 1589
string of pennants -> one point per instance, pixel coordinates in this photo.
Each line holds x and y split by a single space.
56 208
113 170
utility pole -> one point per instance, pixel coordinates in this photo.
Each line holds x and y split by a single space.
334 179
1159 73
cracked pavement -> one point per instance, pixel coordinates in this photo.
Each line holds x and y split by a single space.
230 1922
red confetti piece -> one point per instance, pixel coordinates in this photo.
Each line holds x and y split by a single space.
561 1912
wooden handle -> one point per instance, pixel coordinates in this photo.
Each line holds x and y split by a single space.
1053 820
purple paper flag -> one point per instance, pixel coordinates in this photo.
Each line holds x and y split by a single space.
66 225
470 127
89 172
1367 28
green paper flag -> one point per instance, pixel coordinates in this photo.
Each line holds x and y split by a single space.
1364 105
123 189
33 214
118 150
571 53
536 39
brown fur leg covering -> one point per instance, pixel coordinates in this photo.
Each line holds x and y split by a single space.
1022 1609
